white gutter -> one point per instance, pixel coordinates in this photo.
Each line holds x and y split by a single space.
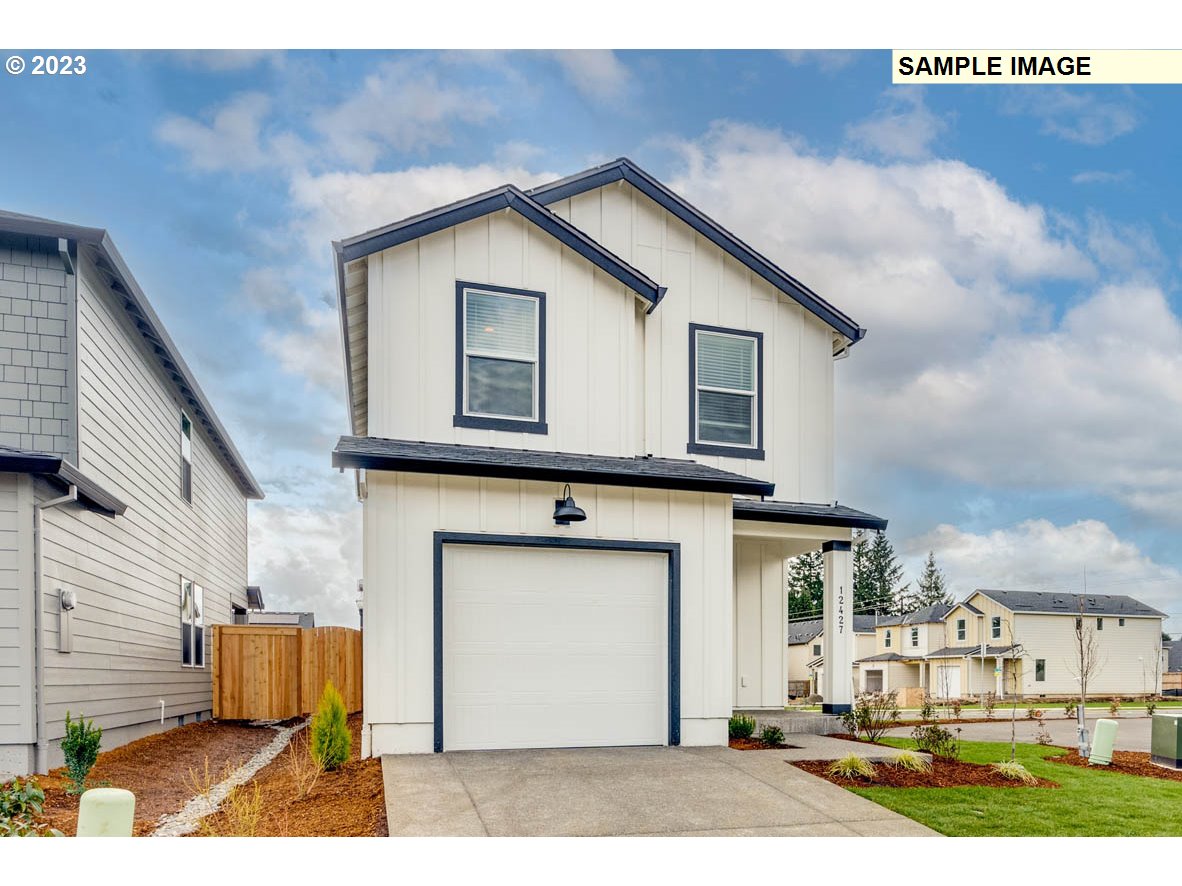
41 758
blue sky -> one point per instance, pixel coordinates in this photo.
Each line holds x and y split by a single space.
1014 252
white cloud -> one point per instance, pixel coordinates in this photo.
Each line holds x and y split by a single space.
400 106
1101 177
598 74
308 559
311 351
1037 555
229 141
827 60
1074 114
902 126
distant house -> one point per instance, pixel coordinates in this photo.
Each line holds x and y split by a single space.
286 619
1019 642
123 502
806 652
1172 665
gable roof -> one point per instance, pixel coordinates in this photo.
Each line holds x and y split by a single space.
803 630
625 169
128 293
927 615
1056 603
380 454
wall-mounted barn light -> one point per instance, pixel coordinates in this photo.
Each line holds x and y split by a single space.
566 511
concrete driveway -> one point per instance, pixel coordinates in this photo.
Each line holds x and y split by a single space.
1132 733
624 792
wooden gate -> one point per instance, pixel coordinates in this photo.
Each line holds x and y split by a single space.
271 672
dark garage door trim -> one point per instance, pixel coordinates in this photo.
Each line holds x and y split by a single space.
671 549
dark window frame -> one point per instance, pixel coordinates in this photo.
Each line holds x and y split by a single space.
1040 666
1099 624
995 627
816 649
492 423
886 640
962 629
915 638
193 627
755 452
186 490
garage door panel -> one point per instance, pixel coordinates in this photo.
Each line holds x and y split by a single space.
554 647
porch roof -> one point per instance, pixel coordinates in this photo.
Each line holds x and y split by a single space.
808 513
966 651
884 656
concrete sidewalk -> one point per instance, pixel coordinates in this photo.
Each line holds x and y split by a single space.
630 792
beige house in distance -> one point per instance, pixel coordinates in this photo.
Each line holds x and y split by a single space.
1029 645
806 653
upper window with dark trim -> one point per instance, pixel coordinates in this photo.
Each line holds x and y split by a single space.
186 458
961 629
500 358
995 627
726 392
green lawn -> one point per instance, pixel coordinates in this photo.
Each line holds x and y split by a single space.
1089 803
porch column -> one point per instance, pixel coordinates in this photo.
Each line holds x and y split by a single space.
838 630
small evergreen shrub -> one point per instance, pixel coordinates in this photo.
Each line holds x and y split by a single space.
910 761
772 735
852 766
1150 705
741 726
1014 771
81 749
1070 708
936 740
331 739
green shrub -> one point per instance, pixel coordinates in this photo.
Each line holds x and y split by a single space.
772 735
910 761
1114 707
1014 771
331 739
1070 708
872 715
927 711
937 741
957 708
81 748
741 726
852 766
20 804
1150 705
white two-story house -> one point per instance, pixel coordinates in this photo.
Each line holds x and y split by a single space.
123 503
589 425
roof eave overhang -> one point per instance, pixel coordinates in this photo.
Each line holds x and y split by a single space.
61 473
751 511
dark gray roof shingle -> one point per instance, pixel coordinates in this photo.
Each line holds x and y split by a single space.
926 615
807 513
802 631
380 454
962 651
1049 601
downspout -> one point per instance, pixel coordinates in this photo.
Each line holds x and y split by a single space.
41 758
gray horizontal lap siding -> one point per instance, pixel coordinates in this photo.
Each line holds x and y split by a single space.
126 571
16 617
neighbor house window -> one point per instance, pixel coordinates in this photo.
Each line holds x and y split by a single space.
961 630
887 640
1120 622
1099 624
192 624
995 627
186 458
1079 624
1040 670
915 636
816 649
726 403
500 358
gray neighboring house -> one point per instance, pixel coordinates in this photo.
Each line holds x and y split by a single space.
123 503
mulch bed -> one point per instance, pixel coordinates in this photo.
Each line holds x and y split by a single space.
1128 762
755 744
157 770
346 803
945 774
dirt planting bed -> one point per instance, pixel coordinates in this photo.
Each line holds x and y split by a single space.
945 774
347 803
157 770
755 744
1128 762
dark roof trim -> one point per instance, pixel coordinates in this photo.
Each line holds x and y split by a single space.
136 304
968 651
625 169
806 513
379 454
60 472
505 197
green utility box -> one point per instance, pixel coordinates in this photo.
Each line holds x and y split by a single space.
1165 744
106 812
1103 738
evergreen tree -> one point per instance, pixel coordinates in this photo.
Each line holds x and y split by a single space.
806 586
933 586
876 576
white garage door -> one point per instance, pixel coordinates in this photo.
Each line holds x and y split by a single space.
948 681
553 647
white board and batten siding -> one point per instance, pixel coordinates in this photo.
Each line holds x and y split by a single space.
617 380
126 571
403 511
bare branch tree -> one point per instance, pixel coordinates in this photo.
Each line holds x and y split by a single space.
1087 661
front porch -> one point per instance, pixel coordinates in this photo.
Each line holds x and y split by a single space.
765 536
